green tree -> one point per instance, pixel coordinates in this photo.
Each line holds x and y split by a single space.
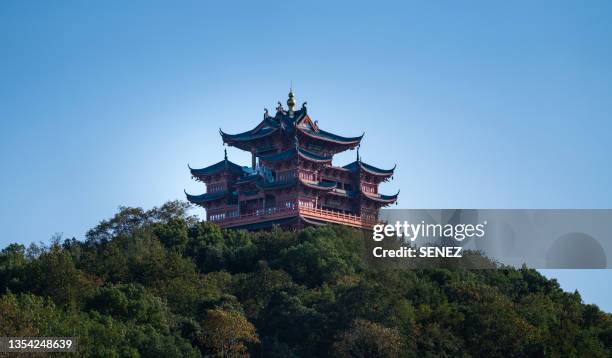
158 283
227 333
367 339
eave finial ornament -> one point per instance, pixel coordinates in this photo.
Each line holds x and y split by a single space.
266 114
279 108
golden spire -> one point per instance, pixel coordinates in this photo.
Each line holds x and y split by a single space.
291 100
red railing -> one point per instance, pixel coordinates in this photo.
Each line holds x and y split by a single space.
274 213
258 216
336 217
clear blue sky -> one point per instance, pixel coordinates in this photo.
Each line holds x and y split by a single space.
481 104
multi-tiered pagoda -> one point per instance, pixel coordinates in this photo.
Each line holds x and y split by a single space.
291 181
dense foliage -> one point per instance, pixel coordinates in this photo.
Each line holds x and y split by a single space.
159 283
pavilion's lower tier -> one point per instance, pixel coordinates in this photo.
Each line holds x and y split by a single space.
296 216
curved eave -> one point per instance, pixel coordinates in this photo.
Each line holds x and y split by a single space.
331 138
318 186
205 198
314 157
380 198
246 136
216 168
370 169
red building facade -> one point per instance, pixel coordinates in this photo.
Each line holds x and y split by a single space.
291 181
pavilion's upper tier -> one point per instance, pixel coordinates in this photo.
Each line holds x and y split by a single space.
279 132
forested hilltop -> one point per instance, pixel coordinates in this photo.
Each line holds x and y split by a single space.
160 283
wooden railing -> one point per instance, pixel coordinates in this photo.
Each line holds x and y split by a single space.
258 216
336 217
274 213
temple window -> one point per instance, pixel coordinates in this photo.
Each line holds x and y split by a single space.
368 188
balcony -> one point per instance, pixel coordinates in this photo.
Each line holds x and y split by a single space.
259 215
336 217
274 213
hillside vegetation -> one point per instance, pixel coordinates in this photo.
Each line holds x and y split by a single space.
160 283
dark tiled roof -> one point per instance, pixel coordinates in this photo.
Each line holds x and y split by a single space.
387 199
248 179
315 156
218 167
268 126
352 166
248 135
319 185
369 168
287 124
290 153
207 197
277 157
327 136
